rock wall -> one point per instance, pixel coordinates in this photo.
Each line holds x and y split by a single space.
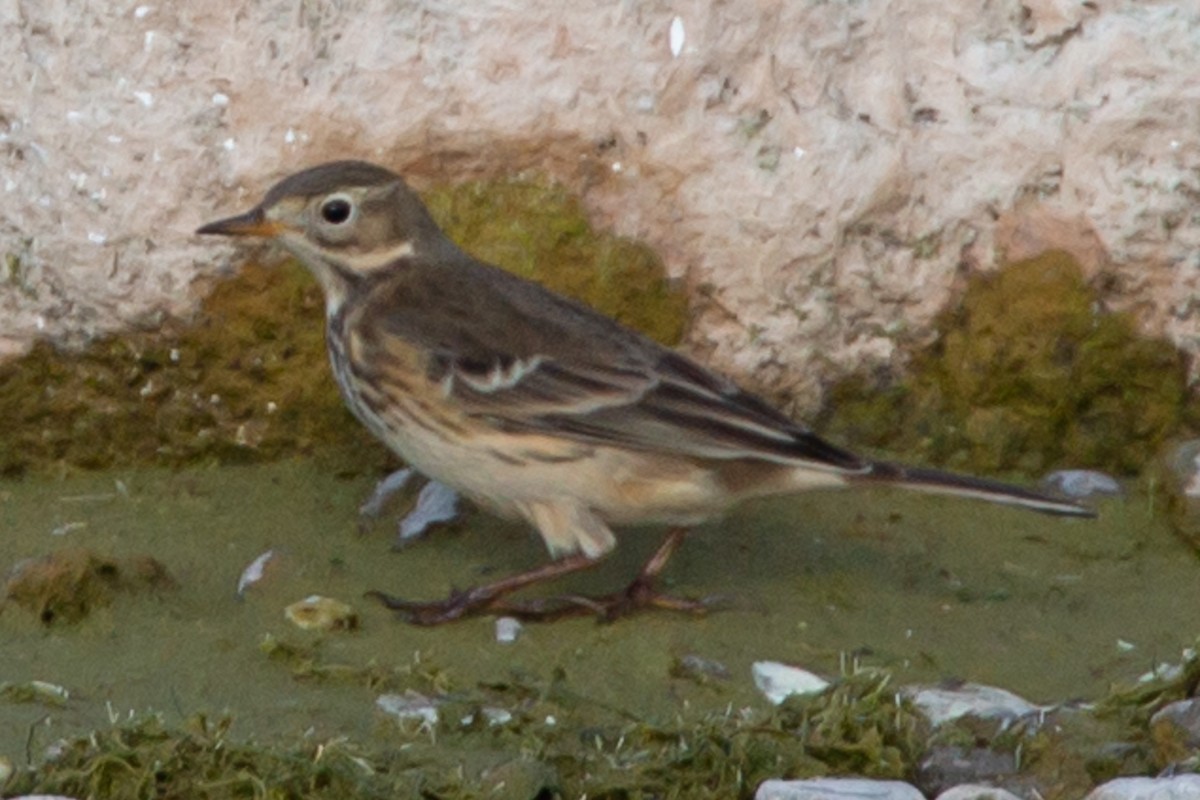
819 174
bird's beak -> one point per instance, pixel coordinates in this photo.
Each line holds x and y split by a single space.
252 223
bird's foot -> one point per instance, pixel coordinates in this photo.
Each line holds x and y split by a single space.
492 599
640 595
459 604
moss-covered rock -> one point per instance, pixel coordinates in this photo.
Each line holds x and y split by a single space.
247 380
1027 374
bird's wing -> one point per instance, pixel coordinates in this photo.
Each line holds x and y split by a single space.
524 359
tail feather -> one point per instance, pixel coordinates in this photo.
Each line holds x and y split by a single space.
923 479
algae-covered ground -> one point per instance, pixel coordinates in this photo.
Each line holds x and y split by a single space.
155 465
661 705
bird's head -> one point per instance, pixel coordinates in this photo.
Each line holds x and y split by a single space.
345 220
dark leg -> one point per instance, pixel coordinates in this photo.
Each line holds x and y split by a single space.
489 598
480 599
638 595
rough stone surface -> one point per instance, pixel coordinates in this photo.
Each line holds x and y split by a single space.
818 173
1178 787
837 789
945 704
975 791
946 766
1183 718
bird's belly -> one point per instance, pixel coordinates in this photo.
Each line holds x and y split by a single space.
508 473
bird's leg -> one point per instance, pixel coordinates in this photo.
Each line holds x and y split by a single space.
638 595
480 599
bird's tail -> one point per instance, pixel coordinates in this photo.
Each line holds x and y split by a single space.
923 479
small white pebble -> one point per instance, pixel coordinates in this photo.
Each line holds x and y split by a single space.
215 399
409 706
74 116
798 152
271 407
550 720
777 681
114 139
1163 672
141 11
220 99
96 238
145 98
497 716
677 37
174 355
616 167
9 184
148 40
1125 646
147 390
507 629
229 144
289 137
254 571
1081 483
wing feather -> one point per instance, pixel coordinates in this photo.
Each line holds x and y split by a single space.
526 360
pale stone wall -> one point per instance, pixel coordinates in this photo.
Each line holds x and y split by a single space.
818 173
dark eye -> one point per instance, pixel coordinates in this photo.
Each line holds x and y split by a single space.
336 210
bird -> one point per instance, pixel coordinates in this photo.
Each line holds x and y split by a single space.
537 407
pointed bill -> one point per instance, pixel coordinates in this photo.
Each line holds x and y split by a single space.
252 223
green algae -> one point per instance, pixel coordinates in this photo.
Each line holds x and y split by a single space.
1027 374
850 729
602 710
859 726
247 379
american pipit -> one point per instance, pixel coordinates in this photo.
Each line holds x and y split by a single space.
536 406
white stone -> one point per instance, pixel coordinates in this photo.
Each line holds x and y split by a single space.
407 707
975 791
837 789
384 491
1178 787
777 681
436 503
942 705
507 629
1082 482
254 572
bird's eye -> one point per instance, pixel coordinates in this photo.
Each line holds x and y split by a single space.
336 210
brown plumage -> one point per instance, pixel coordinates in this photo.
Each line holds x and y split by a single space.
535 405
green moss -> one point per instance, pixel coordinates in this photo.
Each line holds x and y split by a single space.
588 750
1027 374
558 743
247 381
